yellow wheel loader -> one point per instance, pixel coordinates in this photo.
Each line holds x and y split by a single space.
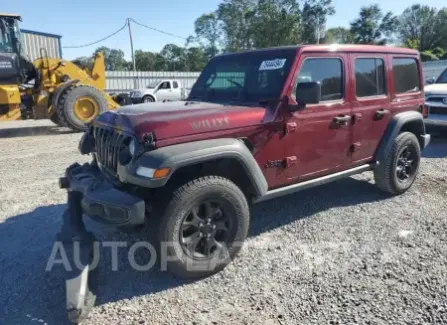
48 87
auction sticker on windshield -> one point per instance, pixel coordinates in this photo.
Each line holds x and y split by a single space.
272 64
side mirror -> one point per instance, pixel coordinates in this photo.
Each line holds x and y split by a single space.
307 93
430 81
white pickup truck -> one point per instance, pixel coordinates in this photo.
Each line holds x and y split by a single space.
158 91
436 101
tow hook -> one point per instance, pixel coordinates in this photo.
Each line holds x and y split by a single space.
80 280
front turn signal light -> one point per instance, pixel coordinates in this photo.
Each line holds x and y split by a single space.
161 172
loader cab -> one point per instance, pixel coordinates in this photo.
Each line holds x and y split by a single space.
11 50
10 39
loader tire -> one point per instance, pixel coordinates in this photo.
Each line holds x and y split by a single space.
79 105
55 119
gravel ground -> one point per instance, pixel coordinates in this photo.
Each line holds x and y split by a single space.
343 253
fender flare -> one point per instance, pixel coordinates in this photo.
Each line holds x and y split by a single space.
191 153
397 123
59 90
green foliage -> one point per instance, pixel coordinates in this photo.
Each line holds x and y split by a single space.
338 35
423 28
239 25
114 59
428 56
84 62
373 27
313 19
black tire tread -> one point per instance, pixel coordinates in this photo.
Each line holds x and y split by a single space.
384 173
60 107
188 190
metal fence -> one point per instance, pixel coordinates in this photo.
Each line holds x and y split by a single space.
434 68
125 81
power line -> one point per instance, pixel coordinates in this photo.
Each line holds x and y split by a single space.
158 30
98 41
119 30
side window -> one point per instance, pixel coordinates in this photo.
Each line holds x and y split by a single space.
406 75
175 84
369 77
165 85
327 71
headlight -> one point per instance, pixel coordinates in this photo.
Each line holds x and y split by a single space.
132 147
137 94
428 95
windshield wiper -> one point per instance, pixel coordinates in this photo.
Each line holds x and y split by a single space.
237 84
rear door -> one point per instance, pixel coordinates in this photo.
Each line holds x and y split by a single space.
320 135
371 104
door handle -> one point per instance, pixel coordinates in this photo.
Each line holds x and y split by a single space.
380 114
342 119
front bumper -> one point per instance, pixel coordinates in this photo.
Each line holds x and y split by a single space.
426 138
136 100
101 200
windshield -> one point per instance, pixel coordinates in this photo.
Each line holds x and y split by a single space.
9 36
442 78
245 77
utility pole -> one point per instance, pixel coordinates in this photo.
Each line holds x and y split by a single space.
136 81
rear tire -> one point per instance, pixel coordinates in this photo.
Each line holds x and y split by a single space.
398 172
203 227
79 105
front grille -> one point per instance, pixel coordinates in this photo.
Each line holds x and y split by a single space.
438 110
108 145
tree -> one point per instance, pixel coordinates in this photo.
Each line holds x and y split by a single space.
195 59
338 35
274 23
423 28
173 55
235 19
114 59
313 19
373 27
145 61
84 62
208 29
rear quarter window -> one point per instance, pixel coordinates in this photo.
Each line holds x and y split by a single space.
406 75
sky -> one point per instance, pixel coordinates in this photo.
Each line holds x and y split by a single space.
84 21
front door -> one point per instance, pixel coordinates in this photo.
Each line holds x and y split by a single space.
371 104
319 137
164 91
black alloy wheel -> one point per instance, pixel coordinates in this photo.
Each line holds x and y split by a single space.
205 230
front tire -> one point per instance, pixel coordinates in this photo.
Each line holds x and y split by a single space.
148 99
79 105
398 172
203 227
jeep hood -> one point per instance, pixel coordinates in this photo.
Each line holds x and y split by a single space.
439 89
178 119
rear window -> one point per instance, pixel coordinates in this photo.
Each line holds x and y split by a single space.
175 84
406 75
369 77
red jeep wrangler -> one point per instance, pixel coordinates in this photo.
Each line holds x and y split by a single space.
257 125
